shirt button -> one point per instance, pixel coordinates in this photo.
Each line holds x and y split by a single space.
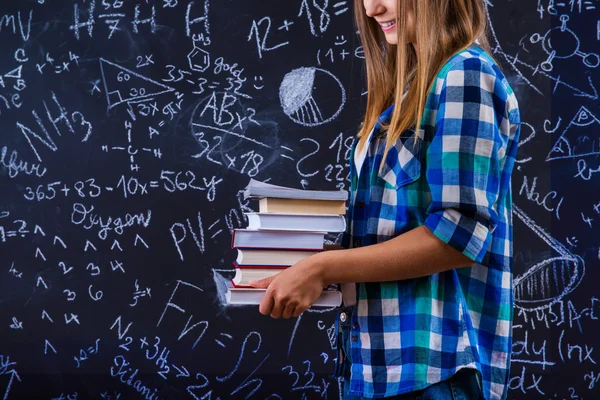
343 317
357 243
361 204
355 326
354 338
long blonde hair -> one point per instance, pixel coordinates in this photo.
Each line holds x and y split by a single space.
443 27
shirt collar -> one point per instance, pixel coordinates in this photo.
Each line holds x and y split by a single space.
384 118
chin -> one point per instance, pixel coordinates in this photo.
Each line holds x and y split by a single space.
391 39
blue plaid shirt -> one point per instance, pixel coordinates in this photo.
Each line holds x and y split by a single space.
456 180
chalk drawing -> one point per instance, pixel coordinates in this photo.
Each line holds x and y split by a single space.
575 143
548 280
302 92
123 85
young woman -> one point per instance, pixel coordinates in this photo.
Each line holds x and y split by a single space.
429 238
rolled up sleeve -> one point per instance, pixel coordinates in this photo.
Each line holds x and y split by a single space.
464 158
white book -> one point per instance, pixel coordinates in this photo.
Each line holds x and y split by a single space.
297 222
271 256
258 189
253 296
243 276
278 239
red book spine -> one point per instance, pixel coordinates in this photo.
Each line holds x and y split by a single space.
242 286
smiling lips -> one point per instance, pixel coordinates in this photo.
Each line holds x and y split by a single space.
388 26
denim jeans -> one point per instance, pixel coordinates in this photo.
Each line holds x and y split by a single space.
464 385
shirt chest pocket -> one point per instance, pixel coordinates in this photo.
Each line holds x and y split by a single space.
402 164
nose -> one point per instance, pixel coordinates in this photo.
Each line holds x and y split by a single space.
373 7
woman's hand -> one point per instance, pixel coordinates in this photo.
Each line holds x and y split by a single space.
293 290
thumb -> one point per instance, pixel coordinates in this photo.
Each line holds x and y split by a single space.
262 283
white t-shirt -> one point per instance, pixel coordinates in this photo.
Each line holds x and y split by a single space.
359 158
349 289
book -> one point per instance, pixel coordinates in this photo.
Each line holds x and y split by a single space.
290 226
258 189
243 276
253 296
269 239
296 222
271 256
301 206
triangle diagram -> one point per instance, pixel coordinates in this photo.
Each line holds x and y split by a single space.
123 85
575 143
15 73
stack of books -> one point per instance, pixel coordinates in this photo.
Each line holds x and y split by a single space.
290 226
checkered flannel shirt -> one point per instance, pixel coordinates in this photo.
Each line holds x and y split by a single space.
456 180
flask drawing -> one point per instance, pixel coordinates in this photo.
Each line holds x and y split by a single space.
547 276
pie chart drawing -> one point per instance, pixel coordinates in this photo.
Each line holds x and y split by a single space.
311 96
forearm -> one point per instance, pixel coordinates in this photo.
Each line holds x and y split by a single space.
413 254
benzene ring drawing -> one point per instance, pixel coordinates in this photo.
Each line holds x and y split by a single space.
562 42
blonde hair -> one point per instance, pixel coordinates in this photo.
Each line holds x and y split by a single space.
443 28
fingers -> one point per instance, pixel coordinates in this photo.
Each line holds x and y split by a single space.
288 311
282 307
298 310
278 308
275 304
263 283
267 303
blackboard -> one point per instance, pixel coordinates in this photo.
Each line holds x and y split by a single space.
129 129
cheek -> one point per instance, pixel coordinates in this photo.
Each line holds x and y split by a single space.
391 4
